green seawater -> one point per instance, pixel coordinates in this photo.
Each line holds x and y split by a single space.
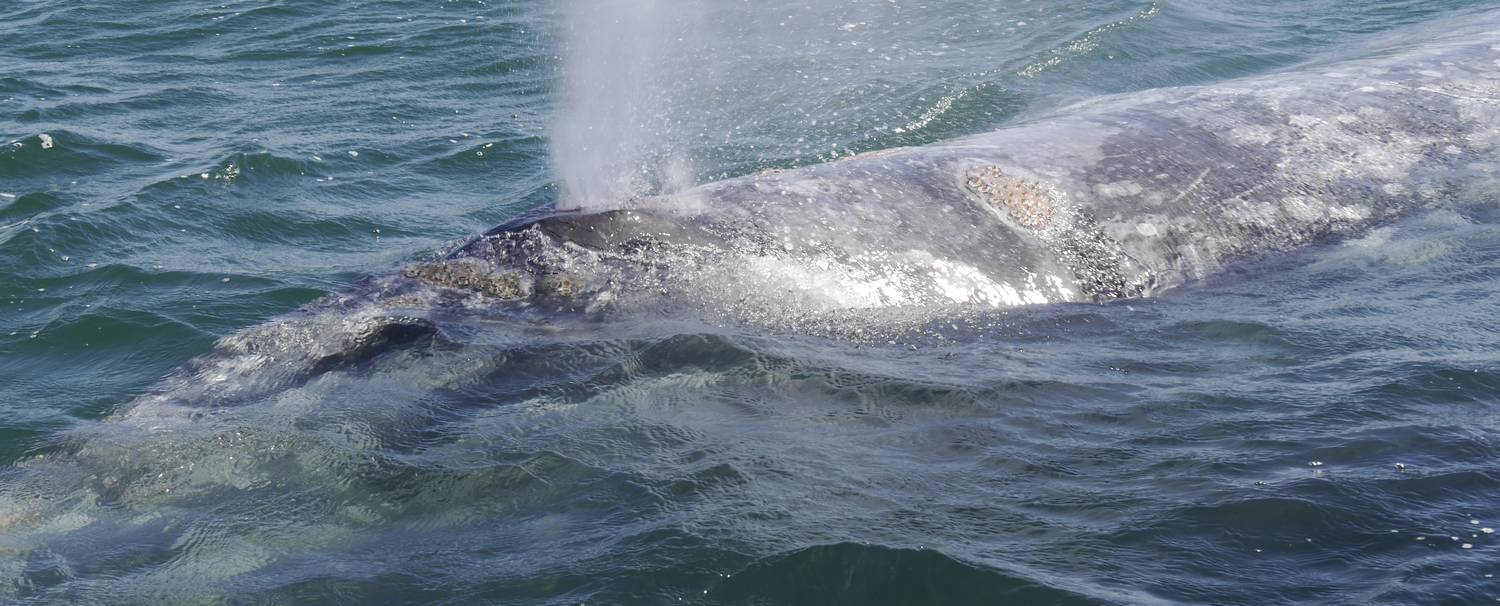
174 172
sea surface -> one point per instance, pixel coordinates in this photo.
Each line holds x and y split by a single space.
1317 427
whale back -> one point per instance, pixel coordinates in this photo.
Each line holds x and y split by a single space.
1120 197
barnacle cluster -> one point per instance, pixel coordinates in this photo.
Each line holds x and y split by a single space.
1027 202
468 275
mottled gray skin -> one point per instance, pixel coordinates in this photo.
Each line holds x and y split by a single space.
1120 197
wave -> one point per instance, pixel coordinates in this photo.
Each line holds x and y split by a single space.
1085 44
161 100
850 573
67 153
483 154
14 85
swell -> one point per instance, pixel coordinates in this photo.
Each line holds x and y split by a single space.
133 105
848 573
66 153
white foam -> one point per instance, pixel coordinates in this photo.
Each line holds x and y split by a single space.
1061 286
965 284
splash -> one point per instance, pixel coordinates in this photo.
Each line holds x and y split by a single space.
658 96
620 131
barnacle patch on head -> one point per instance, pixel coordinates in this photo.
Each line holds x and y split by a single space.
470 276
1026 202
560 285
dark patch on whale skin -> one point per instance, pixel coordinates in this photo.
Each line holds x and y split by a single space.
603 231
379 336
528 259
291 353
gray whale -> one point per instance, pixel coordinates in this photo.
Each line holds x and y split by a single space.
1120 197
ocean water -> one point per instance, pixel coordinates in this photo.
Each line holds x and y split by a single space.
173 173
